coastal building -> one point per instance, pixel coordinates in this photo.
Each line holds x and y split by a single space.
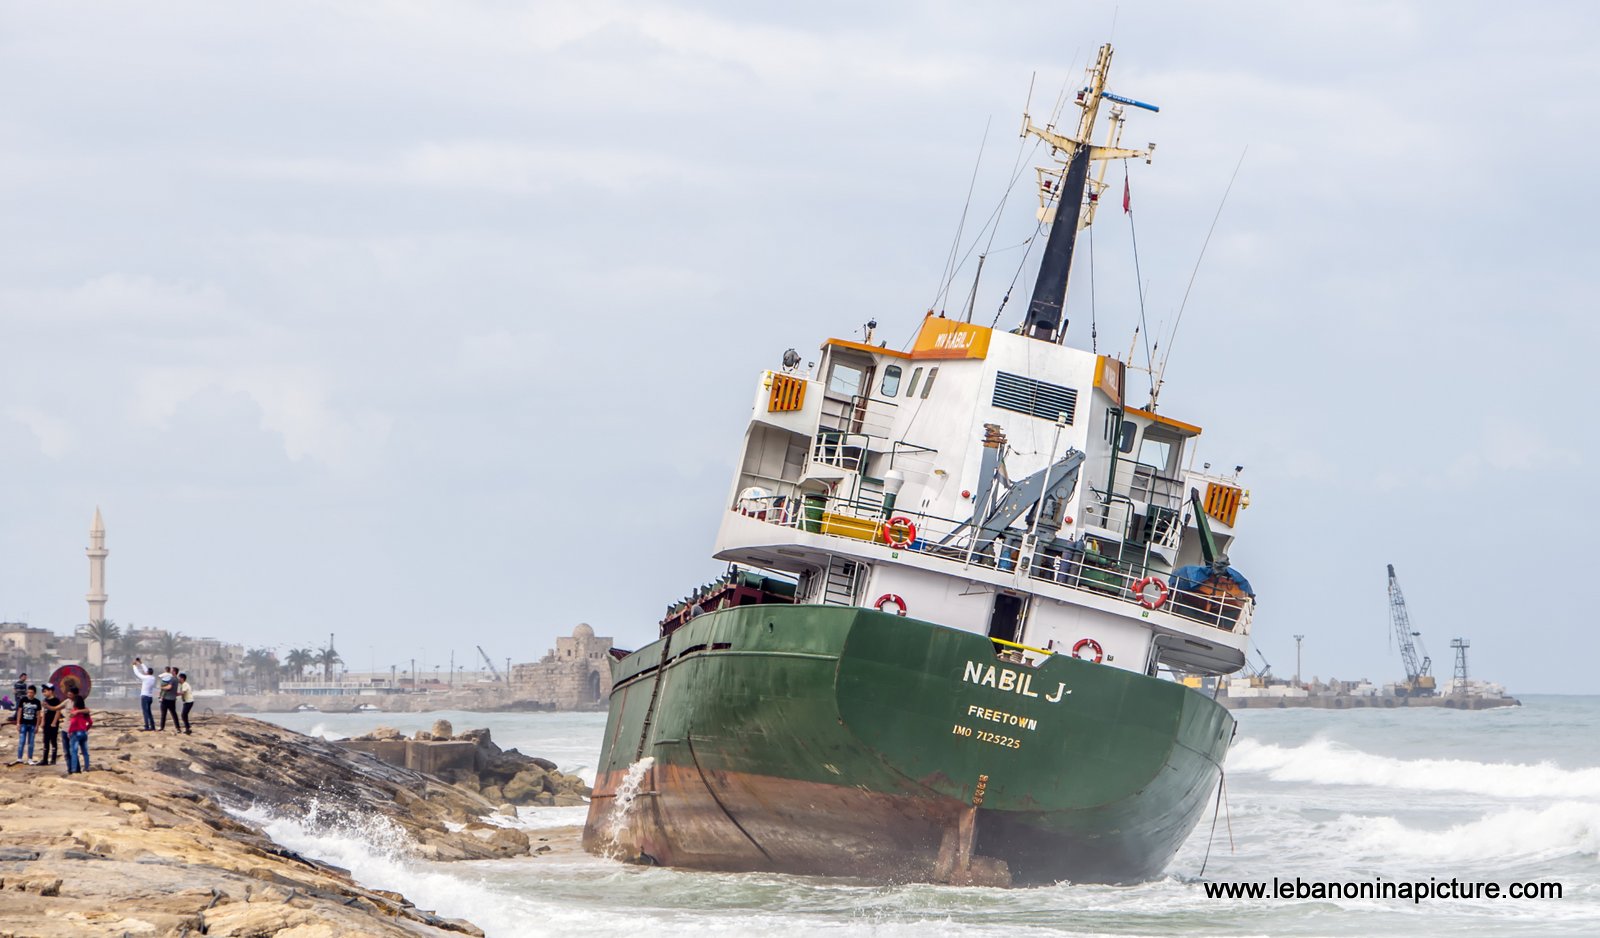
31 642
574 675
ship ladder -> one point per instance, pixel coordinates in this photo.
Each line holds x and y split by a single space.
839 589
655 694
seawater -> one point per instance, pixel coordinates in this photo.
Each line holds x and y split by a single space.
1347 796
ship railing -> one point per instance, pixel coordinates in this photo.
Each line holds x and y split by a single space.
1085 570
841 449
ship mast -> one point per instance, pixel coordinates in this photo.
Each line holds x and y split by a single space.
1068 184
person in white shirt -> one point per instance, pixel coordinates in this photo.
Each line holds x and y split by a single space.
147 692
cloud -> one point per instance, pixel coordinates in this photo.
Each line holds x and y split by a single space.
54 436
294 403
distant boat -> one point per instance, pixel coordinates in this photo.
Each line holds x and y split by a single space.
306 708
367 708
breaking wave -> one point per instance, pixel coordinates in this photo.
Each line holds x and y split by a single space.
1327 763
1566 828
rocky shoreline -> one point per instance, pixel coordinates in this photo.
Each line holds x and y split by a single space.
152 841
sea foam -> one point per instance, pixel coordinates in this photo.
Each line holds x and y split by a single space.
1566 828
1323 762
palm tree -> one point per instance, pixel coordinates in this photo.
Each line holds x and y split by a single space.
327 657
171 644
263 665
103 632
128 646
298 660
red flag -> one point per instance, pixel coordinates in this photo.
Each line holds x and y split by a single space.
1127 197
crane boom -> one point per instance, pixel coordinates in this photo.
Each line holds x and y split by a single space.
492 669
1419 681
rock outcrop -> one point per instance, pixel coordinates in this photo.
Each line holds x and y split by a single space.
473 761
145 843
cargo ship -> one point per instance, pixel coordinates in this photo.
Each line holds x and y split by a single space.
962 576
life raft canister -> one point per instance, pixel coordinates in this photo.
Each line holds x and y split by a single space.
898 531
887 598
1099 653
1140 586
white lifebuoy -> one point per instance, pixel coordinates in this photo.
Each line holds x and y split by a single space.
1140 586
1099 653
887 598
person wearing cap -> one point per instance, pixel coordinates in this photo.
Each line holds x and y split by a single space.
50 725
147 692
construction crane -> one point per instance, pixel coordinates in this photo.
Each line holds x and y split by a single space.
492 669
1419 681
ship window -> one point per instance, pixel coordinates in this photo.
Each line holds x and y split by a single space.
928 386
916 376
845 379
1129 431
891 381
1156 453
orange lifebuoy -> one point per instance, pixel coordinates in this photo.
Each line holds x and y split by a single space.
1099 653
1140 586
898 531
890 598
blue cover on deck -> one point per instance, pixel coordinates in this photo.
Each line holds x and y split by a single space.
1190 577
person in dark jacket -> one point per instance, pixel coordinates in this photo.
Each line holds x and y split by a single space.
169 702
50 726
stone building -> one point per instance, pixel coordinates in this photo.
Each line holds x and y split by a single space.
574 675
31 642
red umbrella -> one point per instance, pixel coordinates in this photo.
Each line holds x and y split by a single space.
74 673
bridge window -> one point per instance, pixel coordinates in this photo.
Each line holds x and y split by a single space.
845 379
891 381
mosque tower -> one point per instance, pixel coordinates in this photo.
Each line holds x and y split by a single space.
97 567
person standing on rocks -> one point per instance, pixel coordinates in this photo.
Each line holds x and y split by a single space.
50 725
147 691
27 721
186 693
169 702
78 725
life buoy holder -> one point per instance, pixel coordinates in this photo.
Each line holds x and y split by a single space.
1099 653
888 598
898 531
1140 586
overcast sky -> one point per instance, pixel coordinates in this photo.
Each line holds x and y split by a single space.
435 324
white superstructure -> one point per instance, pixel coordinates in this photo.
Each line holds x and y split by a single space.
942 434
1000 482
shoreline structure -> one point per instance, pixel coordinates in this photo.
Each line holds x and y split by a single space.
151 841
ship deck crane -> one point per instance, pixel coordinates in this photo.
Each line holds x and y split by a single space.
492 669
1419 680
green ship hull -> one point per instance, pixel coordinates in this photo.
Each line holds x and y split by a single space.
842 741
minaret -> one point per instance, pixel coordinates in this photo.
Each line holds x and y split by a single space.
97 567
